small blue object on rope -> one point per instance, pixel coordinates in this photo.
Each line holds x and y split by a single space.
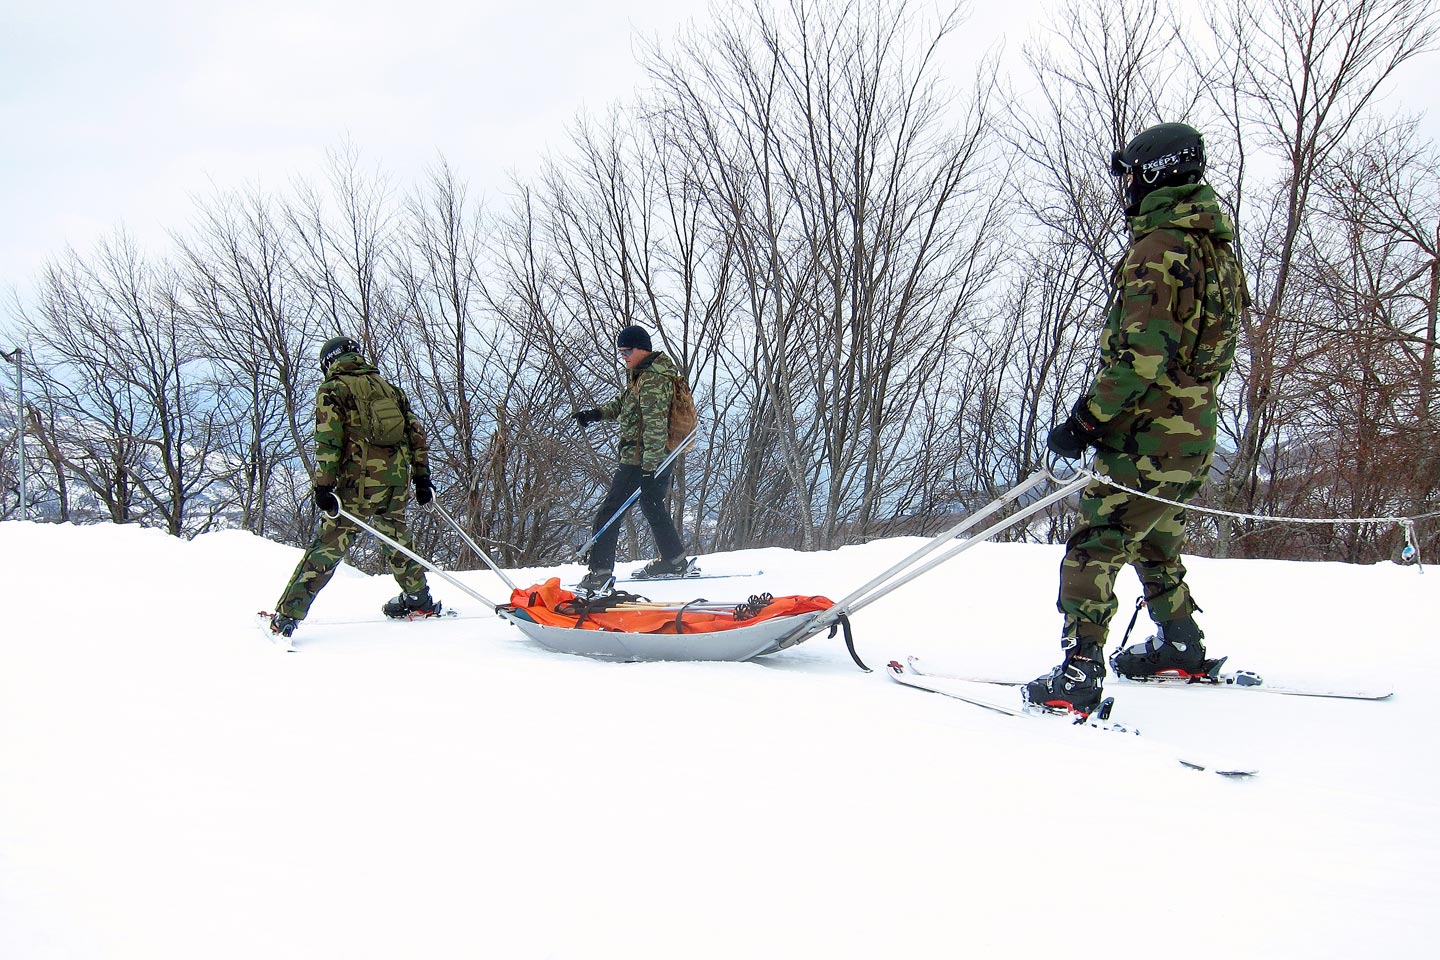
1409 553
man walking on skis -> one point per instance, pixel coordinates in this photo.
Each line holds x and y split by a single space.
643 412
1151 416
369 447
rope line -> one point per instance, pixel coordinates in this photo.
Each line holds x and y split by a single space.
1409 553
1100 477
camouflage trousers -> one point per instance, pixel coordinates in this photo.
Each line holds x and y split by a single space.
334 538
1117 528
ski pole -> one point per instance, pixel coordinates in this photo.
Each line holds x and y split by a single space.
473 545
582 551
906 570
342 512
1064 491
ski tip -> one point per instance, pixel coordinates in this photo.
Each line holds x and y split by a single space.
1218 770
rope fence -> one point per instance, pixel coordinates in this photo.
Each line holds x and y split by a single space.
1410 554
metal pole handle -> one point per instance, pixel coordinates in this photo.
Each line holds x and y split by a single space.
582 551
473 545
342 512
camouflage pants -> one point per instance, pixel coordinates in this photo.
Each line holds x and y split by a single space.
332 541
1117 528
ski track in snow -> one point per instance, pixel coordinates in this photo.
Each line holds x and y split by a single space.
173 786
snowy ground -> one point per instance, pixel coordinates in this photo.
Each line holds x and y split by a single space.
173 786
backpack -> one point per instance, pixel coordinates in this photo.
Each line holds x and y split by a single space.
683 417
380 417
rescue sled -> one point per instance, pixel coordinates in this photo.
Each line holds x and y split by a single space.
621 626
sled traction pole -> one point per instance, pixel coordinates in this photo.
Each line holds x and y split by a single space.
474 546
583 551
906 570
342 512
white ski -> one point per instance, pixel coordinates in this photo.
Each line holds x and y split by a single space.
692 575
974 692
1224 680
262 623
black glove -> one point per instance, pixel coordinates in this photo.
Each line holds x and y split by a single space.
326 500
1069 439
587 417
424 492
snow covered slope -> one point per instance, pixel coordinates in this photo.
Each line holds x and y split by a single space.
173 786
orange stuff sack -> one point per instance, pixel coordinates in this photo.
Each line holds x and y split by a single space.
550 604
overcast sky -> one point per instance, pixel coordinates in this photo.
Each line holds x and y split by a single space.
123 112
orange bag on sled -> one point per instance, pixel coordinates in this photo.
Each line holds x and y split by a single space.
550 604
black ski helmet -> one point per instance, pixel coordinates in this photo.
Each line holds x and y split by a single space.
1165 154
334 349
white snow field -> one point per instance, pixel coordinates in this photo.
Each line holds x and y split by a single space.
173 785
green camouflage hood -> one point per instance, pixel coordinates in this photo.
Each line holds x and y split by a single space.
1190 206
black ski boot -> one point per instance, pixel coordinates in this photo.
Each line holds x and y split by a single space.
1174 651
663 569
411 606
1076 685
597 582
282 626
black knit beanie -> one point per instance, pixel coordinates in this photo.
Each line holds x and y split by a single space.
633 336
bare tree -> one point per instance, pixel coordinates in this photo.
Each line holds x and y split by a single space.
1306 74
255 320
341 244
854 218
138 424
1379 273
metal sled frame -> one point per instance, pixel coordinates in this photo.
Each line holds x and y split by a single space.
769 636
740 643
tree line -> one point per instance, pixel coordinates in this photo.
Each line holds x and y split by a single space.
884 285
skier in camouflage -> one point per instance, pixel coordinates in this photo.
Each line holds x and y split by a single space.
643 412
368 448
1151 416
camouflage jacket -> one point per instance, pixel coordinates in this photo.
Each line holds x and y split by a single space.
361 472
1170 335
643 411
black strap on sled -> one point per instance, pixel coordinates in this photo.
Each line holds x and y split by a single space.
842 622
680 623
584 606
